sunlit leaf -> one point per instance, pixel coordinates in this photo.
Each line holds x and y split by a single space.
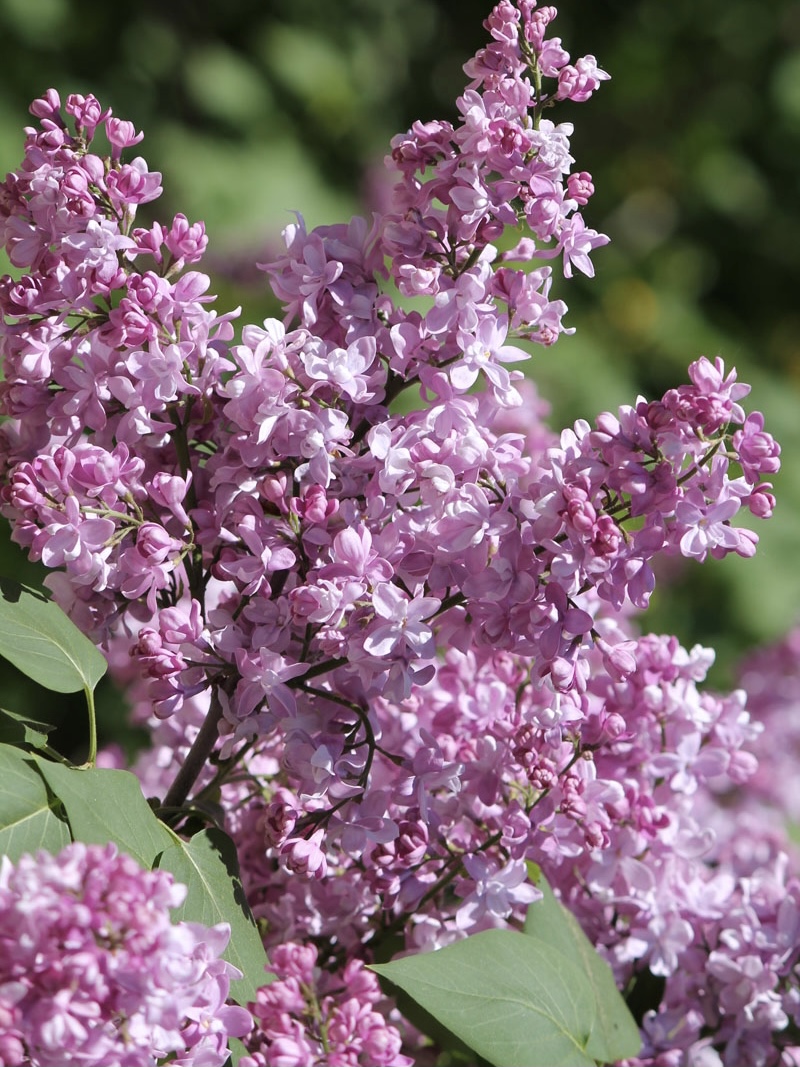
615 1035
41 641
512 998
105 805
237 1049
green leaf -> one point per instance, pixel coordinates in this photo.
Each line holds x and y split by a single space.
16 729
512 998
237 1049
207 864
106 805
39 639
453 1052
615 1035
29 816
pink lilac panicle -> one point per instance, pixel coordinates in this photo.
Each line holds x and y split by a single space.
92 971
416 626
154 380
454 548
637 829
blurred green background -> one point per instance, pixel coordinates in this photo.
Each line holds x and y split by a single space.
255 108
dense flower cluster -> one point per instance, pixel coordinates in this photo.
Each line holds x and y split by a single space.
696 893
618 803
412 630
92 971
309 1017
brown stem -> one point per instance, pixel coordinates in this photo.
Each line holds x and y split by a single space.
197 755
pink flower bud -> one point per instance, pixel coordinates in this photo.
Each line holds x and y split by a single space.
48 107
580 187
87 112
121 134
305 855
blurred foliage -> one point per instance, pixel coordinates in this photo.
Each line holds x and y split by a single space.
253 109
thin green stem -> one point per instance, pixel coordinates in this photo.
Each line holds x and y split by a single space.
690 473
184 457
452 601
194 570
92 757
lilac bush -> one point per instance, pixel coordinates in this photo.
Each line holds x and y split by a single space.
380 621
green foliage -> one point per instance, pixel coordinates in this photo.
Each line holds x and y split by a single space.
208 866
104 805
16 729
510 997
45 804
539 999
30 817
615 1034
237 1049
39 639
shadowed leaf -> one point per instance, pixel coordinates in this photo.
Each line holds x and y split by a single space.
30 818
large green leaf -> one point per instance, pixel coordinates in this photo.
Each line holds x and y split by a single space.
105 805
615 1035
512 998
29 816
208 865
38 638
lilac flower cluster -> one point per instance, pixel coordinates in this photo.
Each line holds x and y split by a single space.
691 891
410 632
92 971
617 802
255 516
311 1017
